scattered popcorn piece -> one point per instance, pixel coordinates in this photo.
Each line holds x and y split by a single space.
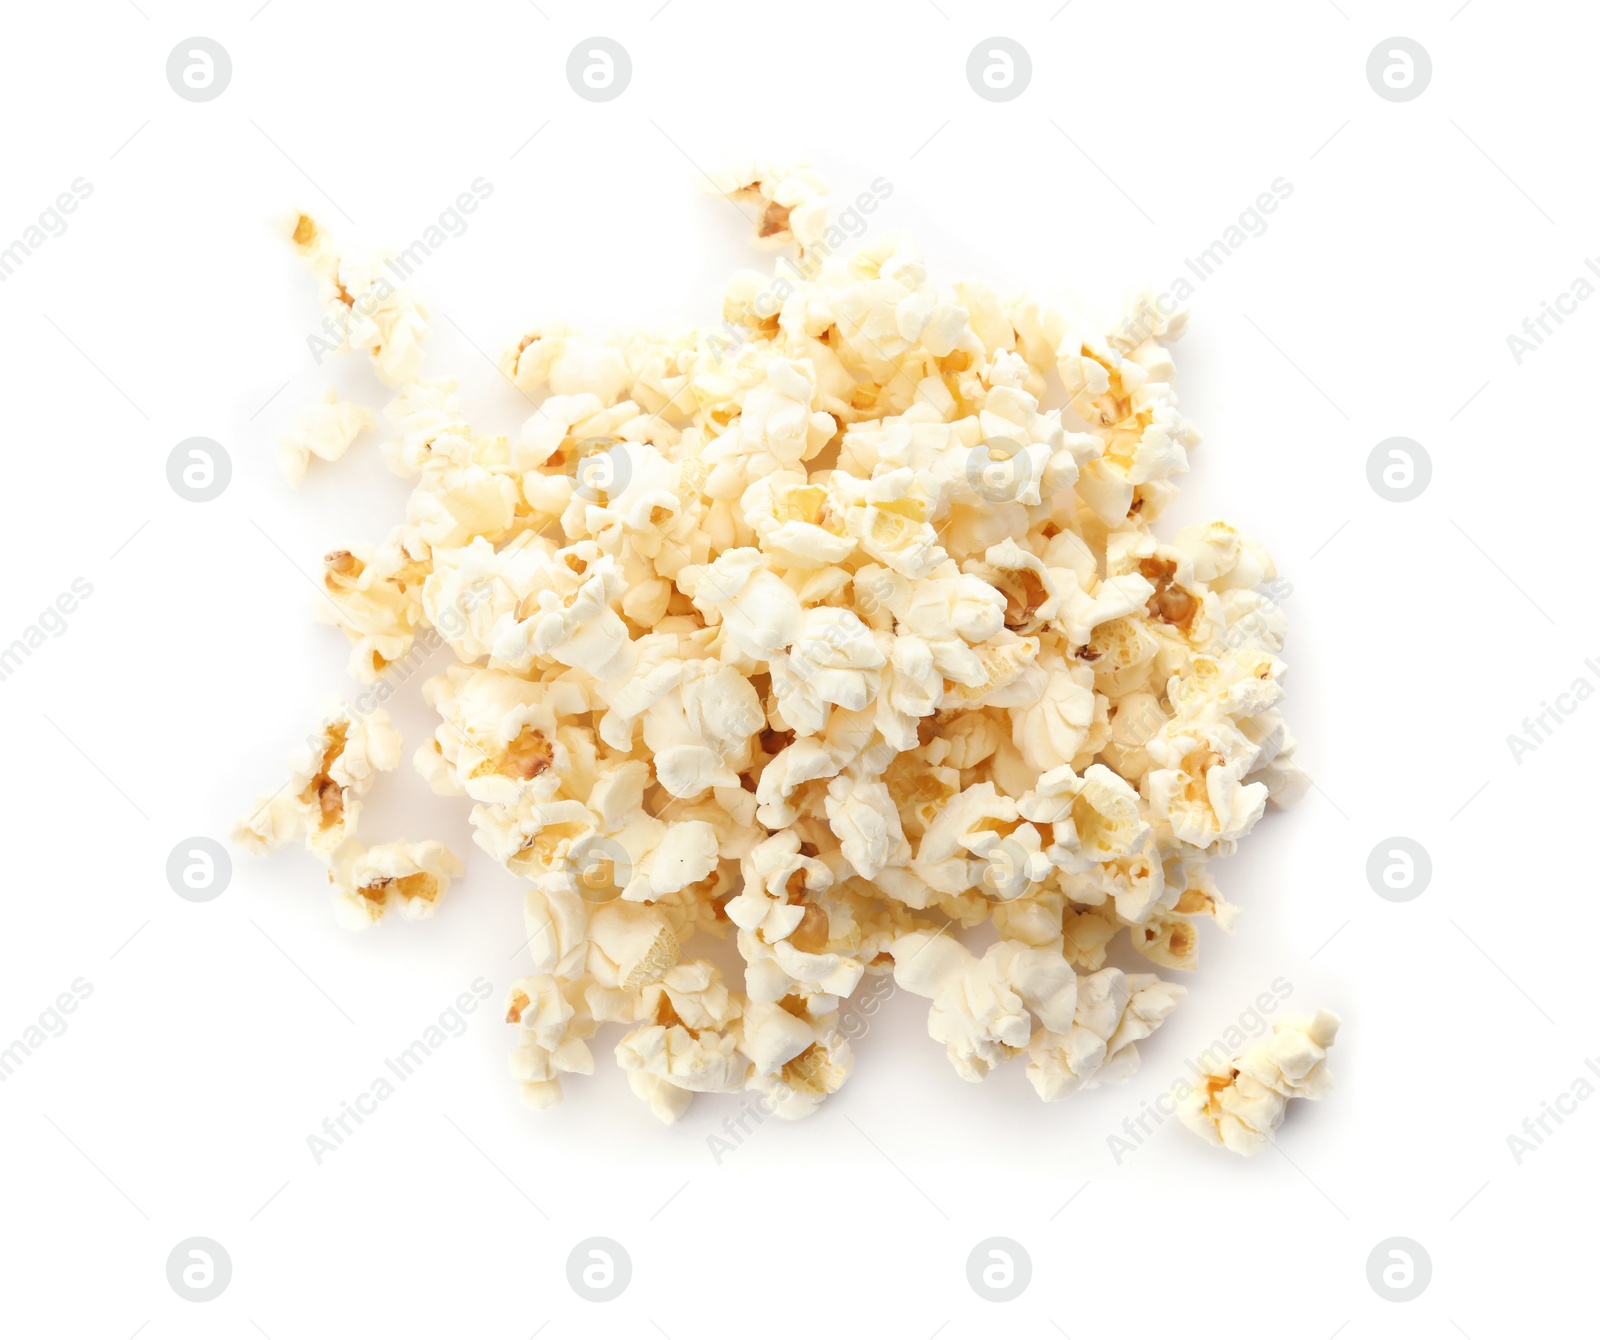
788 202
324 430
410 876
329 776
834 630
362 307
1240 1104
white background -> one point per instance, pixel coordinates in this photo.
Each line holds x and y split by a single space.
219 1035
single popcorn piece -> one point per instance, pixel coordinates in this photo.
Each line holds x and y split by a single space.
981 1007
329 776
1240 1104
789 202
555 1022
372 594
1113 1012
797 1059
363 308
324 430
838 630
680 1048
409 876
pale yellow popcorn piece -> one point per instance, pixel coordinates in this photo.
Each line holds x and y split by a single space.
365 307
554 1024
409 876
788 201
324 430
1113 1012
1240 1104
329 776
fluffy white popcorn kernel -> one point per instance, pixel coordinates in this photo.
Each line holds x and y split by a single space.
797 1059
329 776
980 1006
681 1042
422 412
760 615
553 1024
324 430
1241 1103
1198 789
364 308
1114 1011
700 731
1095 818
787 201
373 594
410 876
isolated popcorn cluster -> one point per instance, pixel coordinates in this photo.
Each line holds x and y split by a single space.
815 630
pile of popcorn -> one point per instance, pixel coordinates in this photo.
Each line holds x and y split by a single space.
816 630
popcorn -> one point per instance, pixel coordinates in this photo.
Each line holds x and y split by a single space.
788 201
328 778
827 631
680 1049
1114 1011
981 1006
373 594
363 309
554 1027
1240 1104
796 1059
758 613
323 430
410 876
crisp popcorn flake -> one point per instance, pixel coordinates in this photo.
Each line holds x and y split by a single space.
835 639
1240 1104
324 430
